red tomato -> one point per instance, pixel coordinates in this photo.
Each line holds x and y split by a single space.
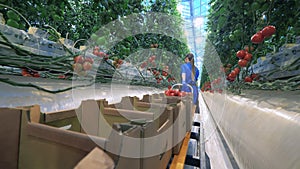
268 31
153 57
87 66
120 61
237 70
248 79
101 54
24 72
232 75
117 66
106 56
176 92
169 87
89 59
61 76
77 67
96 52
144 64
229 79
248 56
172 94
79 59
36 75
254 76
241 54
27 75
167 92
150 59
164 73
257 38
242 63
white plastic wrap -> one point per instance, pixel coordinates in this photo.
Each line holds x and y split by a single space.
11 96
262 128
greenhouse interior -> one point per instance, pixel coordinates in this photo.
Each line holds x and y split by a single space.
154 84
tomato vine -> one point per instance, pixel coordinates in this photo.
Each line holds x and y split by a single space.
231 25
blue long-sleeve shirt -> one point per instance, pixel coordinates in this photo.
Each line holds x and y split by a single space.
187 69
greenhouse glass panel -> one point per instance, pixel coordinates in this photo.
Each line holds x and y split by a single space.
194 14
196 4
197 11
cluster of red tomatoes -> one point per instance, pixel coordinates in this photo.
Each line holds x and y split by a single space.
101 54
217 86
252 77
154 45
118 62
151 60
175 92
206 86
160 75
29 73
245 56
82 64
266 32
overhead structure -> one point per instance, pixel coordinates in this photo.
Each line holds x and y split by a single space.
194 14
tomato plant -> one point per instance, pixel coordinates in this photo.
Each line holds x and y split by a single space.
231 24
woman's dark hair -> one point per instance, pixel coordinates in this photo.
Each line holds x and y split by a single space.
190 56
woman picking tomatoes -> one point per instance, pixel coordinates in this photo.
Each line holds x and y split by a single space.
189 75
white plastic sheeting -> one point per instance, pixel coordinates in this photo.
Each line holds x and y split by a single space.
11 96
260 127
214 147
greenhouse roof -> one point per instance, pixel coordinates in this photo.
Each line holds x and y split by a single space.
194 13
